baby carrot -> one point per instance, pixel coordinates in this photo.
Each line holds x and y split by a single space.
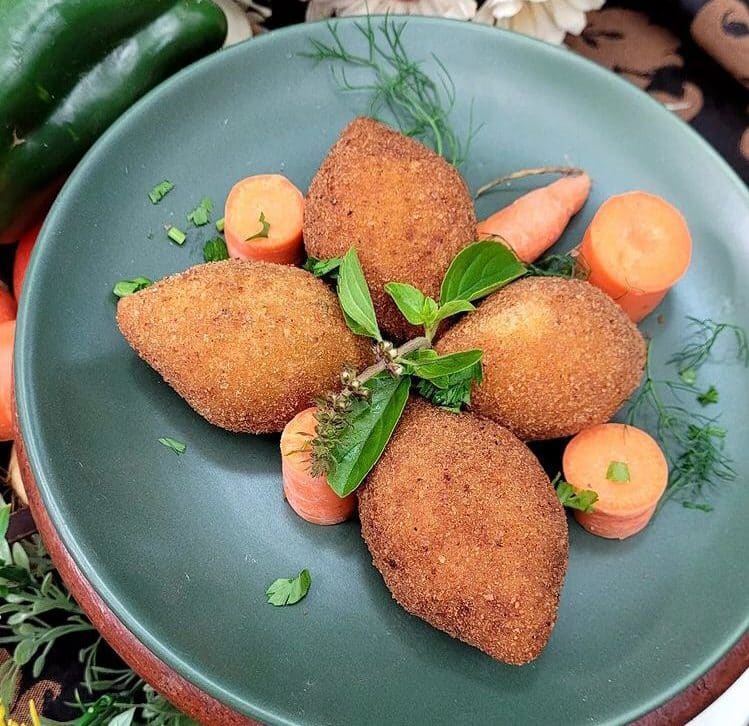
263 220
535 221
309 496
23 254
626 468
636 248
7 334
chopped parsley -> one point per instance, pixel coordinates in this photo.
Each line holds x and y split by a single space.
570 497
127 287
264 231
160 191
617 471
287 592
201 214
220 225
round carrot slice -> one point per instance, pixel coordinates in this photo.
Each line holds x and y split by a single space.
263 220
309 496
626 467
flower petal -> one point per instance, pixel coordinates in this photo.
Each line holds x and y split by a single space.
567 17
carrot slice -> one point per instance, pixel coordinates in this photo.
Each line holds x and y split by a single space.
626 468
7 334
23 254
535 221
309 496
263 220
8 307
636 248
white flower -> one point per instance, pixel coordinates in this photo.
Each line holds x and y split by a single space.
549 20
457 9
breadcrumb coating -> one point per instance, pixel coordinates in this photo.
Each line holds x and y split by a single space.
247 344
405 209
559 356
467 531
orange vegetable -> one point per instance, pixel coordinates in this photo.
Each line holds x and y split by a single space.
535 221
23 254
636 248
626 468
263 220
8 307
309 496
7 334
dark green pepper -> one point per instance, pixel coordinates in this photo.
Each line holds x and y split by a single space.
68 69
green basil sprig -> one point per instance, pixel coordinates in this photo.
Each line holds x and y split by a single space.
356 302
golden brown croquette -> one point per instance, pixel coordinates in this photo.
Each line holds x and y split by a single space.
247 344
405 209
559 355
467 531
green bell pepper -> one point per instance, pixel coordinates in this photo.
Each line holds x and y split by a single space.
68 69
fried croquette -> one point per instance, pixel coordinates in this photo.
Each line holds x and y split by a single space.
405 209
467 531
247 344
559 356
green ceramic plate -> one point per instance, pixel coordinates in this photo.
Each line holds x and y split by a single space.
182 548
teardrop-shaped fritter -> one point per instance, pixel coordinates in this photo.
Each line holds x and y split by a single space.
247 344
405 209
559 356
467 531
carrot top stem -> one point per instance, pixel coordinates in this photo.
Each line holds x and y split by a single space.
522 173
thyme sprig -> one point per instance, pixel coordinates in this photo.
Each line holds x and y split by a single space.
419 105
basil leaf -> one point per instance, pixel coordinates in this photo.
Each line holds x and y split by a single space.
372 424
479 269
353 294
410 301
617 471
127 287
452 392
439 367
429 311
215 250
320 268
453 308
289 591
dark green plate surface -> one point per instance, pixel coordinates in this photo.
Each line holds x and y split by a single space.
183 548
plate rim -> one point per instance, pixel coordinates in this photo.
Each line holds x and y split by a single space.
26 313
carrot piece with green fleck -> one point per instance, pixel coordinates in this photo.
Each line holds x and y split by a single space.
636 248
311 497
626 467
535 221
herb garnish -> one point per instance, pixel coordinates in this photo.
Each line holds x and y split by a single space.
354 425
215 250
175 234
322 268
263 233
694 444
176 446
289 591
709 396
573 499
571 266
419 105
220 225
127 287
201 214
160 191
617 471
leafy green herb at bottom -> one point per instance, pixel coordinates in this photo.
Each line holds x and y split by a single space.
370 425
573 499
215 250
354 297
176 446
321 268
127 287
289 591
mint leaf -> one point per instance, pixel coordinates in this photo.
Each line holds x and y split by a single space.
127 287
479 269
201 214
708 397
215 250
160 191
289 591
371 425
571 498
176 446
354 297
617 471
321 268
410 301
436 368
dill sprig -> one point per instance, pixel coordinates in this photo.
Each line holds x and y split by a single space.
694 444
419 105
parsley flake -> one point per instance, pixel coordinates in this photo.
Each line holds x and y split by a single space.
127 287
160 191
201 214
176 446
617 471
288 592
570 497
264 231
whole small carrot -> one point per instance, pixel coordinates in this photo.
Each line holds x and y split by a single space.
535 221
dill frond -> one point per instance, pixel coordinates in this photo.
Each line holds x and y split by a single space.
419 105
705 335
